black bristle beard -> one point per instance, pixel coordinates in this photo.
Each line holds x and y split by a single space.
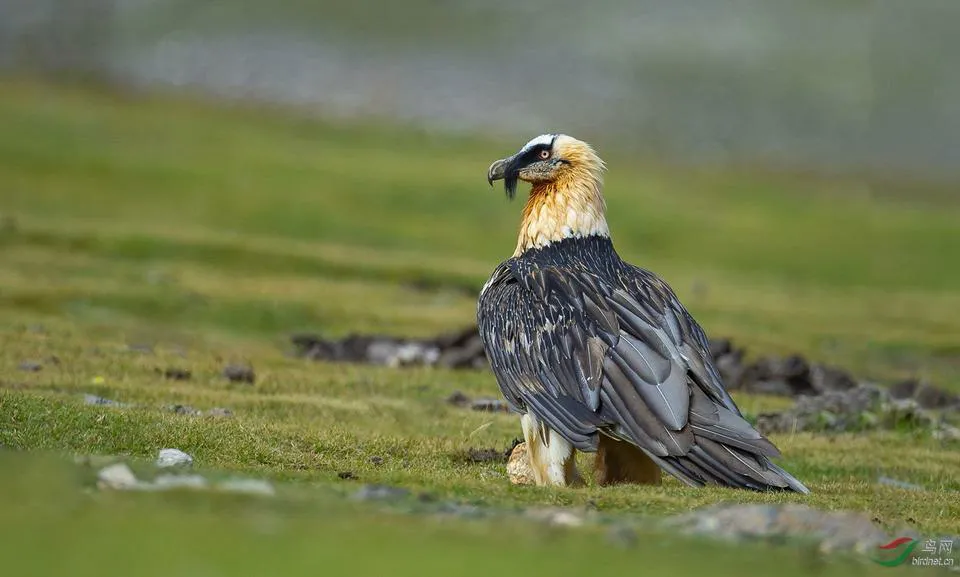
510 186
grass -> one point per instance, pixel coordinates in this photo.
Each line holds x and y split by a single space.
213 232
188 536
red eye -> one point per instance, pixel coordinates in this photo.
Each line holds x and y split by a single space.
544 154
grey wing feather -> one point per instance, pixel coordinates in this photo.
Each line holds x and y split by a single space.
541 357
624 358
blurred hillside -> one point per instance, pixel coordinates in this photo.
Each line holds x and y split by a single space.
853 86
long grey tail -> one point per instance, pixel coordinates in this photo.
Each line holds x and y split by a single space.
711 463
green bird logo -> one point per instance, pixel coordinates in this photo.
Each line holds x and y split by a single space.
895 552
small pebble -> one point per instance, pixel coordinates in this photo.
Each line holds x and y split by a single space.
557 517
96 400
117 476
176 374
490 406
239 374
184 410
173 458
458 399
30 366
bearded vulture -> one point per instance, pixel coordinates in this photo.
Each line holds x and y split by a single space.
599 355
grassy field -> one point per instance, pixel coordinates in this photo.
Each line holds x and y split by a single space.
210 233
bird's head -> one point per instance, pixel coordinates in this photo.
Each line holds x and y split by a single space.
548 158
565 200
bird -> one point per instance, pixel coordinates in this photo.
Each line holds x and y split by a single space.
599 355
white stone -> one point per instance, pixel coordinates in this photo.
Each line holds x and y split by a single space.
117 476
173 458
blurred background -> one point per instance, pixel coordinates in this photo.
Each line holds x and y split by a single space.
791 166
788 152
848 86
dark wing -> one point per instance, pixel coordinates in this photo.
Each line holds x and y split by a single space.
543 358
619 354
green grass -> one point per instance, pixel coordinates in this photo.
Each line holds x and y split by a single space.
293 535
215 231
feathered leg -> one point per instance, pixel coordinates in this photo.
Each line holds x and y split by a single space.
552 458
620 462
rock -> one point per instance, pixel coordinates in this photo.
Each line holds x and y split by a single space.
346 475
731 369
490 406
792 376
117 476
376 460
457 339
380 493
193 412
773 387
905 414
864 407
825 378
353 348
850 410
904 389
394 353
247 487
96 400
239 374
557 517
518 466
184 410
832 530
176 374
947 432
30 366
461 349
463 355
930 397
720 347
168 458
775 376
458 399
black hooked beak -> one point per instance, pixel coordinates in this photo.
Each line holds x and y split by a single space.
506 169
